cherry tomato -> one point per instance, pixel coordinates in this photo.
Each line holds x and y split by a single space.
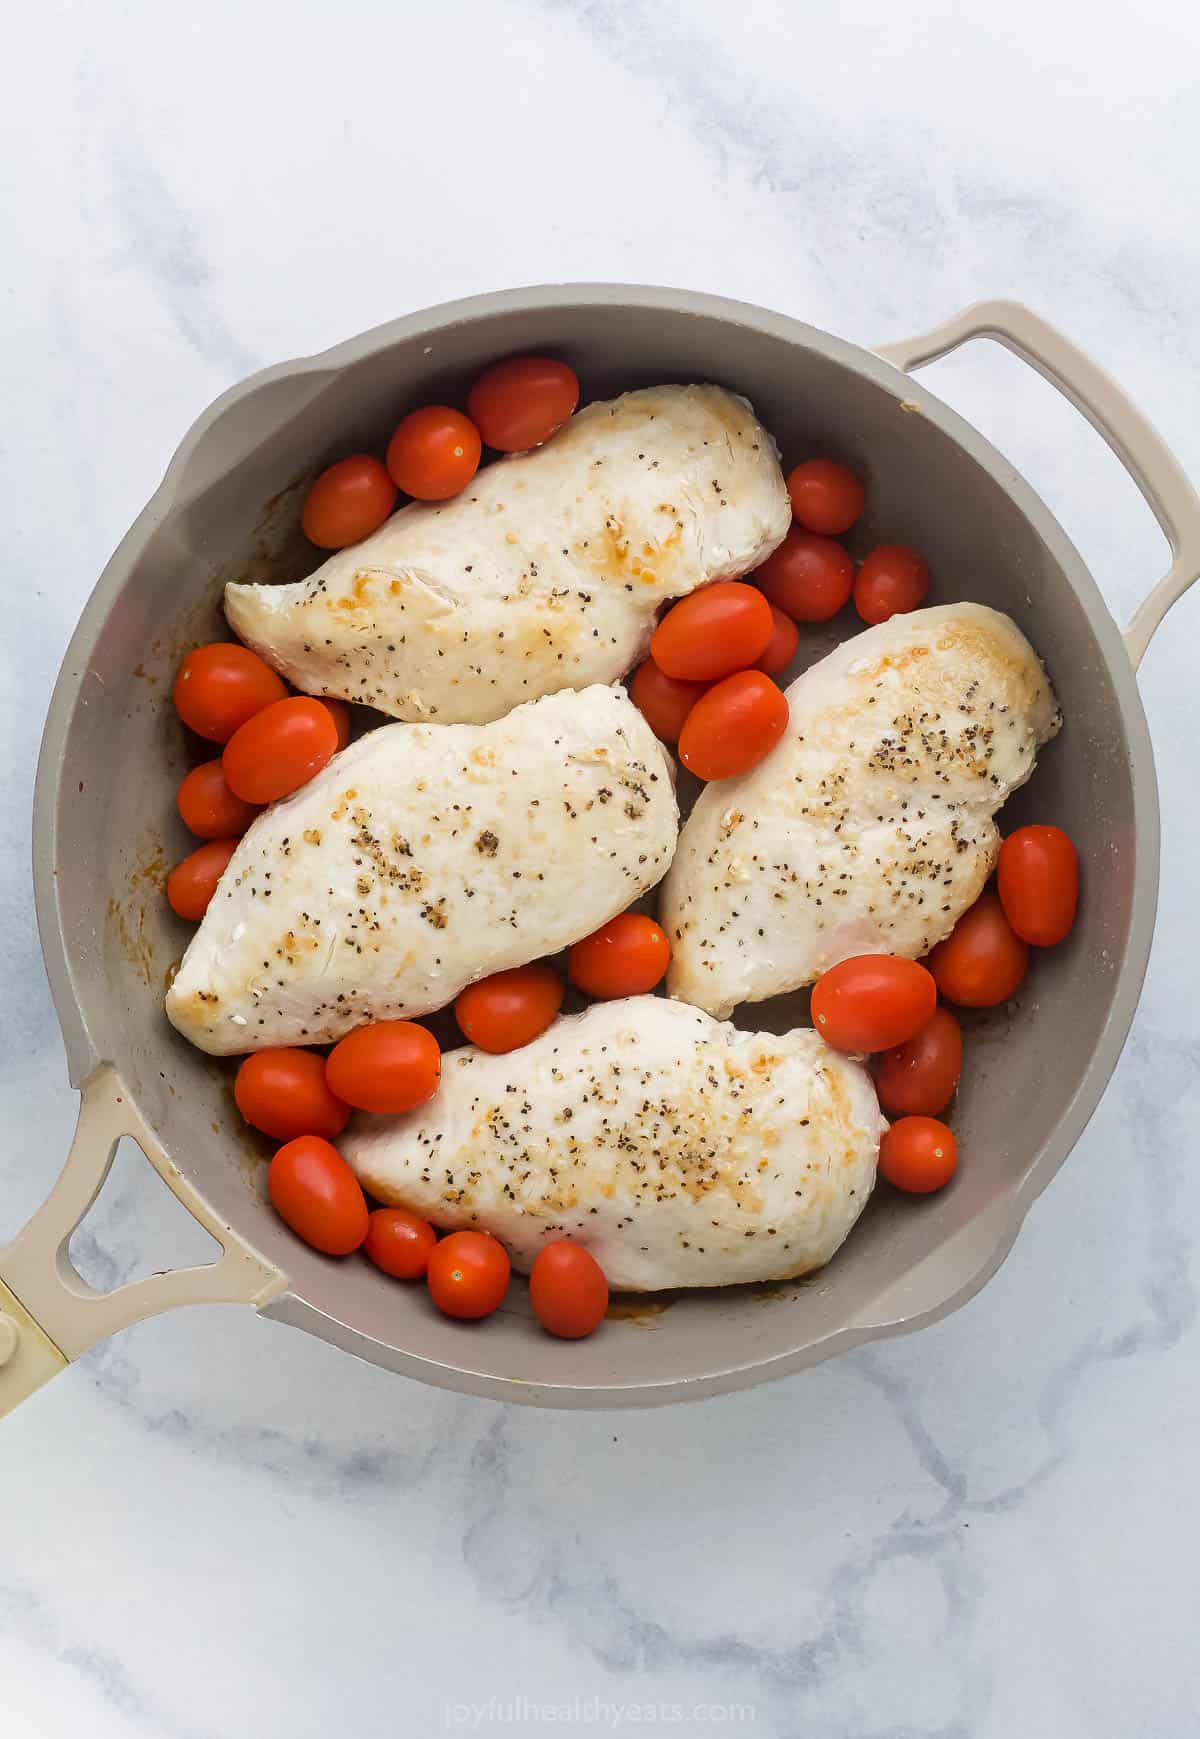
732 727
983 960
872 1002
780 649
339 712
192 883
434 453
663 701
509 1008
809 577
314 1192
826 497
1037 878
519 403
400 1243
892 580
390 1065
283 1093
625 957
280 749
220 686
348 502
468 1274
713 632
919 1155
920 1076
209 808
567 1290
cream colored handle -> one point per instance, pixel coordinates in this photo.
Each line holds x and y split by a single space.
48 1312
1135 441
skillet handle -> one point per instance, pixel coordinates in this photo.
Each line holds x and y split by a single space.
48 1312
1138 445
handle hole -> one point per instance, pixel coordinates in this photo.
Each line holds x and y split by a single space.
136 1227
1053 445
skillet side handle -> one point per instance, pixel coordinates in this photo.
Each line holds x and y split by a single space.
1140 448
48 1312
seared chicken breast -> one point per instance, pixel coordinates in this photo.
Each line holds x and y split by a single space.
869 828
545 574
679 1151
421 858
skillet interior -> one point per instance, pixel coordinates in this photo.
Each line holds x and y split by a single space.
229 510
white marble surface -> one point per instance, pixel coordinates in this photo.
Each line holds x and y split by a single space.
218 1527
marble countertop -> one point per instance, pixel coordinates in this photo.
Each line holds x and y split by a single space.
215 1526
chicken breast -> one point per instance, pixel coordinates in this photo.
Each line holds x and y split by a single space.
679 1151
869 828
546 574
421 858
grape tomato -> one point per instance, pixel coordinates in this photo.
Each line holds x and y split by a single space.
519 403
1037 879
733 726
347 502
192 883
826 497
220 686
808 577
872 1002
713 632
390 1065
663 701
280 749
468 1275
627 956
314 1191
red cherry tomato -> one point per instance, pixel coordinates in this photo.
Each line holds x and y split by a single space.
809 577
468 1274
892 581
400 1243
1037 878
283 1092
339 712
509 1008
983 960
872 1002
348 502
919 1155
732 727
663 701
780 649
920 1076
826 497
390 1065
434 453
192 883
314 1192
625 957
220 686
713 632
280 749
519 403
208 807
567 1290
